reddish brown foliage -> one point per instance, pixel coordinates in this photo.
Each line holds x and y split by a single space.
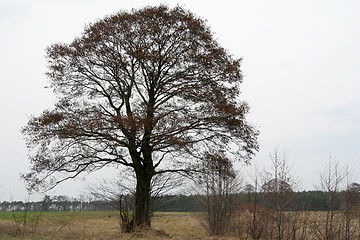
258 209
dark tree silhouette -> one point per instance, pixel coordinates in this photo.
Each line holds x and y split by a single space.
148 89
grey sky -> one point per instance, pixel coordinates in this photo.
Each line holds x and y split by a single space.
300 61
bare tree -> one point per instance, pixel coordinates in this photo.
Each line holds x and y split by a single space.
331 180
149 89
278 190
218 186
120 194
256 217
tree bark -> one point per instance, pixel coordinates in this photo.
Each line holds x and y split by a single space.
143 197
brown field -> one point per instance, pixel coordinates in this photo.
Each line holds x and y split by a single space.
98 225
105 225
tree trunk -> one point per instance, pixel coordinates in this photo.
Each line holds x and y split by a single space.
143 197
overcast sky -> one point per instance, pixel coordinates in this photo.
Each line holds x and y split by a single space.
300 61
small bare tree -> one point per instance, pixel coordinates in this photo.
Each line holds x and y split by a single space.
256 217
331 180
218 184
120 194
278 192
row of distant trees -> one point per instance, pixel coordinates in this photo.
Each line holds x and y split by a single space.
55 203
308 200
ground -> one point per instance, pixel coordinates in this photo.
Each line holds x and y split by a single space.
97 225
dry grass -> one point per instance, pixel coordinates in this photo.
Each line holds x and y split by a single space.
99 225
62 225
105 225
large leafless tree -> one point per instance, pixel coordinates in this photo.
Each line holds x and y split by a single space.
149 89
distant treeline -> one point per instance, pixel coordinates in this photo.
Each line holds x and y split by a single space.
302 201
306 200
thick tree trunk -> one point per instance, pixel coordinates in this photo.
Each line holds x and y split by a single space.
143 197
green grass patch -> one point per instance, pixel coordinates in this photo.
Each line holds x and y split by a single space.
55 215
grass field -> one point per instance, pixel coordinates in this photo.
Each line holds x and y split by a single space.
105 225
96 225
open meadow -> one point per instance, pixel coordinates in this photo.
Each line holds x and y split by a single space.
96 225
165 225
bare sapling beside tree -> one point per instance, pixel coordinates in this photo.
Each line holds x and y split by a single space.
254 218
120 194
218 186
150 90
